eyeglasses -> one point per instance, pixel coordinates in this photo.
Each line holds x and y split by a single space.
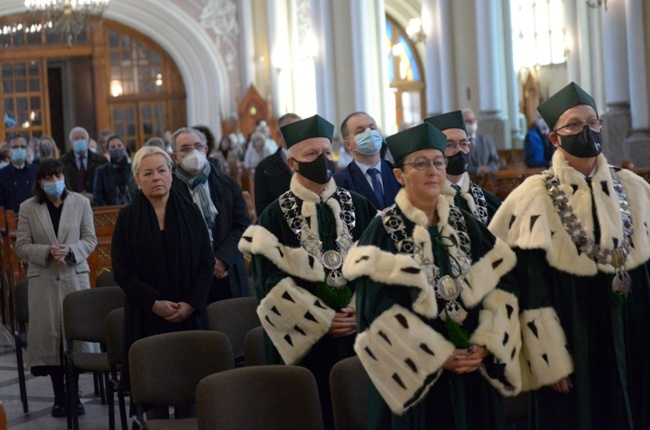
577 126
187 149
464 145
422 163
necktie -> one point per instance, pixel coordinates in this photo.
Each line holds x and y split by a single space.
457 188
82 174
376 186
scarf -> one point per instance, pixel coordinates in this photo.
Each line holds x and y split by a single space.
199 194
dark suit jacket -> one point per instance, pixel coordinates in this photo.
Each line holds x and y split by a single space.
483 153
72 171
231 222
352 178
16 185
272 179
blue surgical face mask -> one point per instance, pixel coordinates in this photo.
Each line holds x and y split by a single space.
80 146
54 189
18 155
369 142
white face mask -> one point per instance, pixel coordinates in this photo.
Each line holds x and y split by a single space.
471 129
194 162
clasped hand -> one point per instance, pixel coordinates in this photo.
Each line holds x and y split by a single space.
59 252
344 323
466 360
171 311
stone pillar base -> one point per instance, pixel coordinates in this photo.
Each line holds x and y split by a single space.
617 125
491 123
636 148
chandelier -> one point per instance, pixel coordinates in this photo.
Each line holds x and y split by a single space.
68 17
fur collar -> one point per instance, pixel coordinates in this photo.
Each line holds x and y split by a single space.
528 220
449 193
308 195
418 216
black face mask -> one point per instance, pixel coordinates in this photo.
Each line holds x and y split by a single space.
320 170
458 163
586 144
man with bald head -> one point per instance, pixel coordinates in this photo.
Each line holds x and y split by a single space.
306 306
81 164
367 174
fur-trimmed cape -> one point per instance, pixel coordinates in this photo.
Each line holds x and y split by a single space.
466 200
398 311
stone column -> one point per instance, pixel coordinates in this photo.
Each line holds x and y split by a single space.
432 57
491 120
637 146
617 120
325 81
280 56
517 135
246 46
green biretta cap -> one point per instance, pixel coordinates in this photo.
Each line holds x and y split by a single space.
421 136
314 126
568 97
448 120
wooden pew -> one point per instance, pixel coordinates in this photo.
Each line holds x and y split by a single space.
100 260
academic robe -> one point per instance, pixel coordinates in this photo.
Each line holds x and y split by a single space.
476 200
296 306
571 322
403 340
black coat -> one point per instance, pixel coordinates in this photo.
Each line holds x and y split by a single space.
16 185
107 180
230 224
272 179
72 171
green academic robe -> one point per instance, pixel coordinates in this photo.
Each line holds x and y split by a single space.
571 322
296 306
470 197
403 340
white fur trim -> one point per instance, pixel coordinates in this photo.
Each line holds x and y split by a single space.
391 269
484 274
294 319
545 357
403 357
308 195
449 193
499 331
257 240
529 204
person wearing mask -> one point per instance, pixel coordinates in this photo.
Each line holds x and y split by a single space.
48 148
484 158
17 179
580 231
297 249
56 234
114 184
273 175
459 189
368 174
256 151
81 163
538 150
224 210
437 308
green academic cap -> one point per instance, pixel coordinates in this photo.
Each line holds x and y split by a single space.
448 120
421 136
568 97
314 126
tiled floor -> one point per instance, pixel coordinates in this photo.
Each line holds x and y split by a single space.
41 398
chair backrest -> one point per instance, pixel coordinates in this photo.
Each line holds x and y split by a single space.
166 368
254 350
249 205
349 387
105 279
85 312
115 336
261 397
21 302
234 318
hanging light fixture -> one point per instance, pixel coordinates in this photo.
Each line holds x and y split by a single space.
69 17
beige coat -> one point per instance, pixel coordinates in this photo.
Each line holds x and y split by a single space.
50 282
